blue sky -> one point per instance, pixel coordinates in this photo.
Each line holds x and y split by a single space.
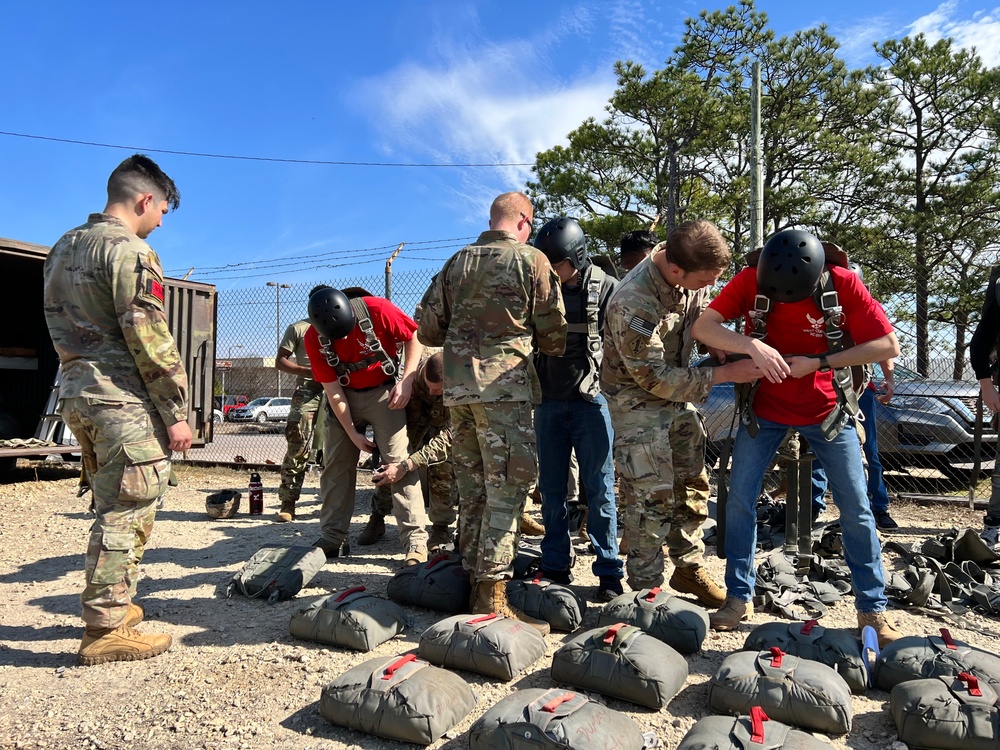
415 82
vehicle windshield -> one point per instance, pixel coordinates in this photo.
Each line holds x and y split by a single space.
898 373
258 402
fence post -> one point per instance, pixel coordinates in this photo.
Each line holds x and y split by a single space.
388 272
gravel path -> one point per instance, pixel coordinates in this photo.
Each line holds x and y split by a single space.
235 678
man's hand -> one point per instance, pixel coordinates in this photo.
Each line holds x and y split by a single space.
739 371
802 366
180 436
885 391
362 442
991 398
399 396
389 473
720 354
772 365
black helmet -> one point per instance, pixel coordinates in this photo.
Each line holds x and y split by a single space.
789 266
330 312
223 504
563 238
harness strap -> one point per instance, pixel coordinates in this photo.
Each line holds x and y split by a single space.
344 370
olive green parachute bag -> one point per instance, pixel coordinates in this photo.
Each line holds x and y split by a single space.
676 622
277 573
353 619
753 732
913 657
490 645
946 713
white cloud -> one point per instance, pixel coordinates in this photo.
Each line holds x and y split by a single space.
981 30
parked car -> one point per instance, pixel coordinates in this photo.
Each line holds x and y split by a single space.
927 423
262 410
227 404
217 416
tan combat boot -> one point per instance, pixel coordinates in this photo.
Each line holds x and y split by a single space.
491 596
697 581
287 512
373 530
884 627
439 536
134 615
731 615
531 527
102 645
415 555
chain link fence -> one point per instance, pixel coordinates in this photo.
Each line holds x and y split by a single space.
932 435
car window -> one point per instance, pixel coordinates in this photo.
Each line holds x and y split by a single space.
899 373
258 402
282 401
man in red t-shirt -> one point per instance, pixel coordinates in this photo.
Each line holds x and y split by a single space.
796 390
358 374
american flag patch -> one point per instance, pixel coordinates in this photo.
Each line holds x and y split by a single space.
640 326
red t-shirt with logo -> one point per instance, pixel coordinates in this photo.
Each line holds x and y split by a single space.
799 328
392 327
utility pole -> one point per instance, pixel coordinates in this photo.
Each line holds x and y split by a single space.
277 329
756 165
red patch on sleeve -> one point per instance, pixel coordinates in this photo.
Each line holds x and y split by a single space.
156 289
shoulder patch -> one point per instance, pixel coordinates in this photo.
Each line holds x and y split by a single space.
641 326
154 289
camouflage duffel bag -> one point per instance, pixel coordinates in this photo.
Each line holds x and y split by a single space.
913 657
553 720
277 573
676 622
441 584
399 697
946 713
486 644
803 693
560 606
352 618
621 662
839 649
755 732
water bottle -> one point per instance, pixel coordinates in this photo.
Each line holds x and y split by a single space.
256 489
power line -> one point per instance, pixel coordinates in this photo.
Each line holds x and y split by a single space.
239 157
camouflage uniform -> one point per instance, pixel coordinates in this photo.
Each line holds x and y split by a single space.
301 425
659 439
488 305
428 418
123 383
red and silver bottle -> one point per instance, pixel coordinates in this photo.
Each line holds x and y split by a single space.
256 489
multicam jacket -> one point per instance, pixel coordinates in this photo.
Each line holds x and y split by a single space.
647 345
103 301
492 301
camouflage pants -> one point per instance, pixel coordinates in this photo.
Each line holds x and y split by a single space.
495 446
299 431
127 463
663 491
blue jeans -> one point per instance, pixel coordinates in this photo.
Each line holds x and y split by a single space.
751 459
584 426
878 498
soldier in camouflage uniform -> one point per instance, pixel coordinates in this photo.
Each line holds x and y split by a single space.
427 418
123 393
659 440
490 303
300 427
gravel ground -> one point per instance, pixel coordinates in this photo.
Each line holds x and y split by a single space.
235 678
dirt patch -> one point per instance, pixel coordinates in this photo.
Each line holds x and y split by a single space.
235 678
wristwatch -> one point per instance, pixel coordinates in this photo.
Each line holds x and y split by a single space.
824 365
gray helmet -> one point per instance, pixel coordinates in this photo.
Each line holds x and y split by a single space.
790 266
331 314
563 238
223 504
856 268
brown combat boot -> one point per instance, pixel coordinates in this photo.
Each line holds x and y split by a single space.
531 527
696 581
287 512
373 530
439 536
731 615
491 596
884 627
102 645
134 615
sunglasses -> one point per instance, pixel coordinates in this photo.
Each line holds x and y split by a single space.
531 223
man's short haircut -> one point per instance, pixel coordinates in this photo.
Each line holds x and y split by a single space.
638 241
138 175
698 246
508 207
434 368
